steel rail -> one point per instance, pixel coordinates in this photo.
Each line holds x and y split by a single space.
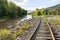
51 32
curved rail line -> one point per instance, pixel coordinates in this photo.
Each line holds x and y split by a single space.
51 33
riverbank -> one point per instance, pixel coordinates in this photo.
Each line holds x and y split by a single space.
10 22
5 23
2 20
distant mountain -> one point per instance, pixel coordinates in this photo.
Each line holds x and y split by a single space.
54 9
55 6
29 11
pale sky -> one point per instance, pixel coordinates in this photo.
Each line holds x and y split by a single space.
33 4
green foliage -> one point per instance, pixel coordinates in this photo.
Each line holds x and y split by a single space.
16 34
40 12
11 10
20 32
3 6
26 26
11 37
55 22
4 33
55 10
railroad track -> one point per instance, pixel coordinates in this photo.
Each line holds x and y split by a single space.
45 31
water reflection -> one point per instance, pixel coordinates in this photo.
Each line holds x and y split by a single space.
28 17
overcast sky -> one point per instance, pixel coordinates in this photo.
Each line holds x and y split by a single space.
33 4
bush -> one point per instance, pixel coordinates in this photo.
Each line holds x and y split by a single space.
26 26
12 37
4 33
16 34
20 32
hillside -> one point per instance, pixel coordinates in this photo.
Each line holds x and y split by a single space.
55 6
54 9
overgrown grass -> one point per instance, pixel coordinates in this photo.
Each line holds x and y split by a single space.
55 22
25 26
53 19
16 34
4 33
20 32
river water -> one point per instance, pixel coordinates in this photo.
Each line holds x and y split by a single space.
9 23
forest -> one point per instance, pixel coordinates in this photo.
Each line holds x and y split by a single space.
54 10
10 10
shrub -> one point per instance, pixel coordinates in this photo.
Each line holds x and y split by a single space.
15 35
4 33
20 32
26 26
12 37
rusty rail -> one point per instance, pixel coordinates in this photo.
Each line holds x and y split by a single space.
51 32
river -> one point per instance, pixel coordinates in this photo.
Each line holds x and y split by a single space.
11 22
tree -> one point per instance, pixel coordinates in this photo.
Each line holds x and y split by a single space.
11 10
3 8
